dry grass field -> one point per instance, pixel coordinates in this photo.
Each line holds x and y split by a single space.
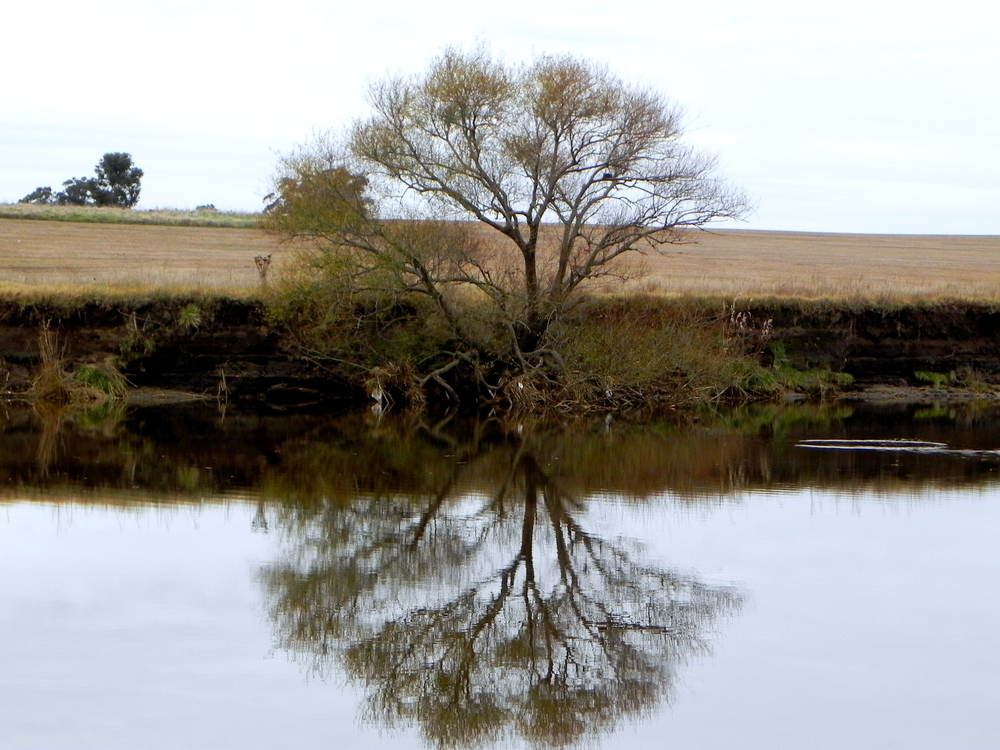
61 255
69 256
838 266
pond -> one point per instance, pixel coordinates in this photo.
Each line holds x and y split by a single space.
764 578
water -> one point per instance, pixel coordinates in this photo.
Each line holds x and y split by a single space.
174 577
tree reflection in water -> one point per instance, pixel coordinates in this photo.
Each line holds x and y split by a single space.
487 617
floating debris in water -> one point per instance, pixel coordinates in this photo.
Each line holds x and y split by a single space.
873 445
901 445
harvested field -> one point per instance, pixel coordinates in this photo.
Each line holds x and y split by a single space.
838 266
59 254
35 254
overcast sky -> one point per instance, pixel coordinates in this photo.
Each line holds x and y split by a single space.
871 116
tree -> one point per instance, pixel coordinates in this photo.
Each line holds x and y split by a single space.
572 169
117 184
77 191
40 195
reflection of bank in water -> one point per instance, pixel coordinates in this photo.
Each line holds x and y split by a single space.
897 446
301 458
488 616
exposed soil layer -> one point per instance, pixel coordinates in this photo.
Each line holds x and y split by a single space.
889 345
225 348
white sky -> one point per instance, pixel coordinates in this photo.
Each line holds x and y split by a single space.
851 116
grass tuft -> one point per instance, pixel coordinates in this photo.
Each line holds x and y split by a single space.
189 316
104 378
54 384
931 378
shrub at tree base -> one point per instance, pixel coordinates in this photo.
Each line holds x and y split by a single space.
641 350
607 353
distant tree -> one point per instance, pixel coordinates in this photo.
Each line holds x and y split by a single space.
317 199
77 191
39 195
117 183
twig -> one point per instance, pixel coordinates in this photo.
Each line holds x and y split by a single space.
436 377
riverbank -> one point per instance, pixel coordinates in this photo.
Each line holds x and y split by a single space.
182 302
228 348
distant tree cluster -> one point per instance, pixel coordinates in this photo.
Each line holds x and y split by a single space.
116 184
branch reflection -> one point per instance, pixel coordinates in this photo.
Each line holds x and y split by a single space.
487 617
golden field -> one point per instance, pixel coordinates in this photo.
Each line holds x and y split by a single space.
64 255
60 254
838 266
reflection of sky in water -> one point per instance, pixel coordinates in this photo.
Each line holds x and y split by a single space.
869 623
144 629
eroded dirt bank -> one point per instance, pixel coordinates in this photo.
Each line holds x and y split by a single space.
889 345
226 346
222 347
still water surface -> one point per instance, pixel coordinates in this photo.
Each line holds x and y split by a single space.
178 578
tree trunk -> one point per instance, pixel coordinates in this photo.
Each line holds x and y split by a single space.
535 322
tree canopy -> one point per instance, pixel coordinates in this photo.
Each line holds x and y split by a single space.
116 183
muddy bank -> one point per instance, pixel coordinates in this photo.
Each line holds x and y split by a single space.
225 348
